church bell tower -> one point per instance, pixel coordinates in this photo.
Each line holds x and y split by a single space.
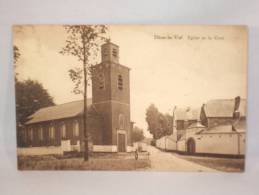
111 98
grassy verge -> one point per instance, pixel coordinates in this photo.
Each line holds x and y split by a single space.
50 162
221 164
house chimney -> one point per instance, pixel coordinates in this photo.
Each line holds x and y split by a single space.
236 113
237 103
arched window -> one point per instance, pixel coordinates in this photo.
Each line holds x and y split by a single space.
75 128
120 82
30 134
51 132
40 133
23 134
121 121
179 124
63 131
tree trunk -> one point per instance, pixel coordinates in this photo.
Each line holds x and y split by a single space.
85 124
86 156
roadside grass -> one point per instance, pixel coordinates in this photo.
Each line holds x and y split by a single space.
220 164
98 162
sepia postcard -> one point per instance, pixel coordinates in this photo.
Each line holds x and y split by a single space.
131 97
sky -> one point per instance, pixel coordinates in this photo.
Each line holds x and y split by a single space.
171 65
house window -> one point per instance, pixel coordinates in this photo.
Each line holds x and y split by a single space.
101 81
51 132
63 131
120 82
30 134
121 121
40 133
179 124
75 129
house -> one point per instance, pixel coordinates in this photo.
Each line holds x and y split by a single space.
109 124
221 131
184 117
222 140
221 111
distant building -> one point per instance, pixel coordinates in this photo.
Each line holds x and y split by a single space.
109 123
224 132
220 130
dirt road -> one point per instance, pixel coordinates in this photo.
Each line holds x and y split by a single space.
166 161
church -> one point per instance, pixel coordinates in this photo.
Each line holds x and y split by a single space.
59 128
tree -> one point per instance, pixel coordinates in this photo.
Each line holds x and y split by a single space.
30 96
166 124
137 134
152 118
16 57
16 54
159 124
83 42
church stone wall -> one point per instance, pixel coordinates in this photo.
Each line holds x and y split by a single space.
94 128
113 100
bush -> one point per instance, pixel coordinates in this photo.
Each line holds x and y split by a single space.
153 142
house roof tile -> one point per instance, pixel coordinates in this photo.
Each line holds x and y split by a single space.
187 113
223 108
66 110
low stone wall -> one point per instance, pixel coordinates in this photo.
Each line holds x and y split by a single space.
229 144
66 147
181 146
130 149
160 143
40 150
141 146
104 148
218 143
167 143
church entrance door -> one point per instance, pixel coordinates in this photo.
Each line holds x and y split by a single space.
121 142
